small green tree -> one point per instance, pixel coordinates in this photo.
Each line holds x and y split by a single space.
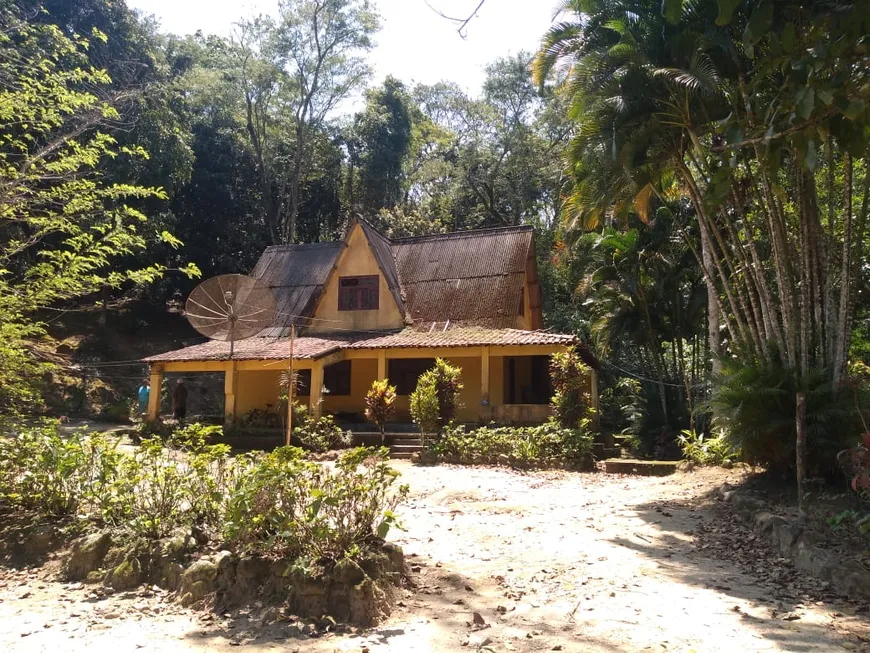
434 402
424 409
572 399
380 404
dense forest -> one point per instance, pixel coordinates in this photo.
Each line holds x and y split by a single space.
696 172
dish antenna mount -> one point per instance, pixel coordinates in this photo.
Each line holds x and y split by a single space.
230 307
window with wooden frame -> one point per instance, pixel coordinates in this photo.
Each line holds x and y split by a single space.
358 293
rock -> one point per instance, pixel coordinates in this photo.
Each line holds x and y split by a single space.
169 575
478 619
347 572
126 575
40 541
685 466
198 581
87 555
395 554
95 576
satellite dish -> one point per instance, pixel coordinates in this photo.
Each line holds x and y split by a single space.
230 307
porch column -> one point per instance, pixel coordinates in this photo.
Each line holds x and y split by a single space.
382 364
485 407
155 392
316 392
230 393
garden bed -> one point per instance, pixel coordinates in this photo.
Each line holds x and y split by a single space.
217 530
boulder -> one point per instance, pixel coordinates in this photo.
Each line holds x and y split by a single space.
198 581
126 575
40 541
87 555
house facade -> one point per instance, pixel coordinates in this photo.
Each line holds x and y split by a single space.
371 308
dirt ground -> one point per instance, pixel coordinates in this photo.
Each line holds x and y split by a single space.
547 561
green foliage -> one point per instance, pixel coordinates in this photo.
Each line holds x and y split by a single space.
380 404
434 402
48 474
858 519
755 404
278 504
320 434
702 450
424 409
63 224
158 490
572 397
285 506
528 446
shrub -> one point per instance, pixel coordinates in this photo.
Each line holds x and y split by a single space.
55 476
158 490
285 506
755 404
424 409
526 445
434 402
380 404
572 399
706 451
321 434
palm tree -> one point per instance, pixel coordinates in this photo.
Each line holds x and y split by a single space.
709 102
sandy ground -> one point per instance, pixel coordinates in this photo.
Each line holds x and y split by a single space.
548 561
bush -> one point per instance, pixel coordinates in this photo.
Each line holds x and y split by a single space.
434 401
572 399
278 504
380 403
755 404
706 451
285 506
321 434
158 490
54 476
519 445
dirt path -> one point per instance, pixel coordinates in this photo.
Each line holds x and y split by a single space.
549 561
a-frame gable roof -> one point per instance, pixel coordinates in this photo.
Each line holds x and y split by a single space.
380 246
471 277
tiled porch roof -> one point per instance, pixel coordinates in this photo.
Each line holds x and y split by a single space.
308 347
252 349
460 337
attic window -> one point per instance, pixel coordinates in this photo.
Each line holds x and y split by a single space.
358 293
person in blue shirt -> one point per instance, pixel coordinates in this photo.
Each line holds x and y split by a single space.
144 392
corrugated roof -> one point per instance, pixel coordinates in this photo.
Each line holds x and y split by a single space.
312 347
470 276
296 275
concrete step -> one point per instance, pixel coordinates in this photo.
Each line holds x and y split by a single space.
640 467
402 455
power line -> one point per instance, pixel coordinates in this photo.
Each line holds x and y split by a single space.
649 380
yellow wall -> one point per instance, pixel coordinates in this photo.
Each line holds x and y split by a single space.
362 372
356 259
256 390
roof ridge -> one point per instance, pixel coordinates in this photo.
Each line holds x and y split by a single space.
287 246
465 233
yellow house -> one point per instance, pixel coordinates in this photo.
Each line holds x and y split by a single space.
372 308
